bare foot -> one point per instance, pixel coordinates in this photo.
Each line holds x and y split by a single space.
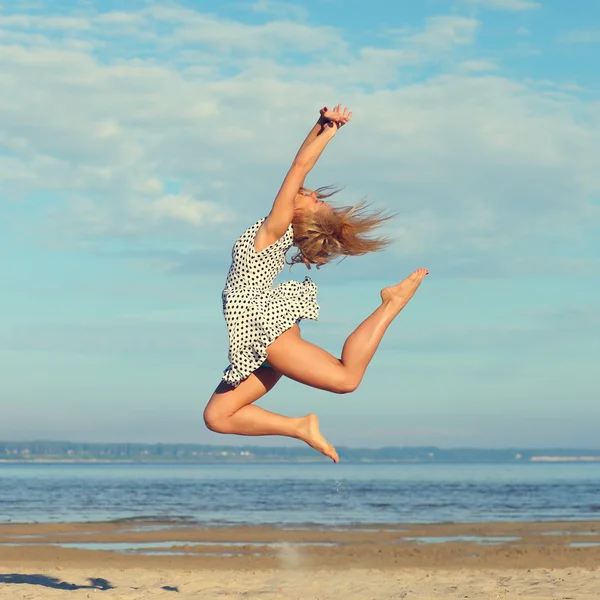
311 434
402 292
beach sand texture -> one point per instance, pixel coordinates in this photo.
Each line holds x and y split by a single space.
486 561
359 584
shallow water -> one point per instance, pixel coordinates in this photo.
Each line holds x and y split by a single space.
477 539
299 494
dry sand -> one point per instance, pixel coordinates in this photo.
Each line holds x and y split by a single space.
516 560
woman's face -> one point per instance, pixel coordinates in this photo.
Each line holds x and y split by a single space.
308 200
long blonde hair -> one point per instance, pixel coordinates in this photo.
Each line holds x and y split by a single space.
322 235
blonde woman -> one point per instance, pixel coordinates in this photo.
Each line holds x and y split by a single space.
262 320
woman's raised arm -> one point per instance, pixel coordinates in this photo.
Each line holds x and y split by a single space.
282 212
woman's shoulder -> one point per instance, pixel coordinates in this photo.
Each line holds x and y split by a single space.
249 233
247 239
266 239
254 227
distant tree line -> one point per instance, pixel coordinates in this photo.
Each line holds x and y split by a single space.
57 450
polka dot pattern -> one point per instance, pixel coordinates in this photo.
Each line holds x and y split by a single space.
256 313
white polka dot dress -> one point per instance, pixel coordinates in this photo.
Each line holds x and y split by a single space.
257 313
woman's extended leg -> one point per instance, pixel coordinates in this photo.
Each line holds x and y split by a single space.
306 363
230 410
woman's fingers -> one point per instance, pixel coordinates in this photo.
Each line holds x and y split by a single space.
337 114
345 117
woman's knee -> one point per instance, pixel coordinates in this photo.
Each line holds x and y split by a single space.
214 419
343 381
346 385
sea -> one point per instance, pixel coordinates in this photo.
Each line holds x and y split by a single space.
299 494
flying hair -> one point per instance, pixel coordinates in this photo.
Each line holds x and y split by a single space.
321 236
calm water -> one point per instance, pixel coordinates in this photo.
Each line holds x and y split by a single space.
295 494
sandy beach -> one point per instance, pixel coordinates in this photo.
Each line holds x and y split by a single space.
131 560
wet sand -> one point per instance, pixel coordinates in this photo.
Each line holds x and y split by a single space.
130 560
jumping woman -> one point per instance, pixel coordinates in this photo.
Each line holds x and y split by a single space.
264 338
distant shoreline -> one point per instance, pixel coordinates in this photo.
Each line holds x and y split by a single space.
55 451
316 460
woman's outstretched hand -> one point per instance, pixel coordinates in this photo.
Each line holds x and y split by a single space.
337 116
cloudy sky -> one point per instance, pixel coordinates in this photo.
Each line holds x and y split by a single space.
138 139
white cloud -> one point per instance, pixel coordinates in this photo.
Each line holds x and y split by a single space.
48 23
443 32
581 36
105 126
117 18
277 9
374 67
510 5
273 37
184 208
132 147
478 66
137 215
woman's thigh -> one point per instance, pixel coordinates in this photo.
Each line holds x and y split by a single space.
307 363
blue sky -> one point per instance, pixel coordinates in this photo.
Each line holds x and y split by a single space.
138 139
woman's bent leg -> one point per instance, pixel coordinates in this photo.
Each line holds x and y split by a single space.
306 363
230 410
